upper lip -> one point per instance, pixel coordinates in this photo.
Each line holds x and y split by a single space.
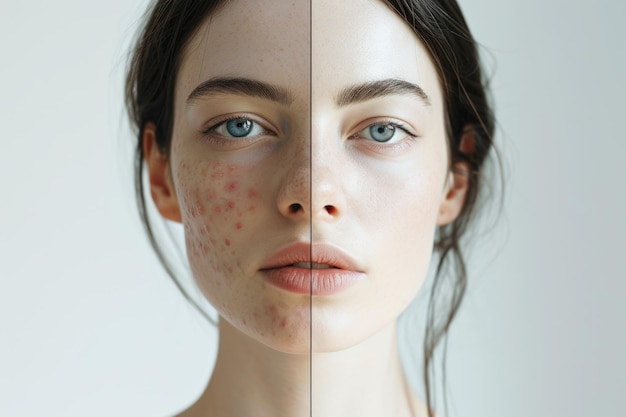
319 253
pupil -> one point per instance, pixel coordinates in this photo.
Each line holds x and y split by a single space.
239 127
382 133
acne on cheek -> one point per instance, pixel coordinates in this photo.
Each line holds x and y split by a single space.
214 202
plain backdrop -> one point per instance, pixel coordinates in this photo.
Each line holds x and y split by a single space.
91 326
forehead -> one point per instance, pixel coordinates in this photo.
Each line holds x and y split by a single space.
266 40
332 44
374 43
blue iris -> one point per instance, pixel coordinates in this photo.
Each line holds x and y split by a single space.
382 133
239 127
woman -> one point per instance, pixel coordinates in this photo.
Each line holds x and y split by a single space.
314 153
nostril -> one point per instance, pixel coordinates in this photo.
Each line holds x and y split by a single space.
294 208
330 210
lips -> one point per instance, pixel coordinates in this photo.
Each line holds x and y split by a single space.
319 269
312 265
305 255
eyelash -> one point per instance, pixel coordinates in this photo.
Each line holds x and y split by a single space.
209 132
397 125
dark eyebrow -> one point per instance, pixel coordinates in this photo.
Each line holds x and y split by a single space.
240 86
381 88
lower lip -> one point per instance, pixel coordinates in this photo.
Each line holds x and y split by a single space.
312 281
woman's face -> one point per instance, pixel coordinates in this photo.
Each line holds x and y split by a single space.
331 146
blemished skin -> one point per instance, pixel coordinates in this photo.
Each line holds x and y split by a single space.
309 170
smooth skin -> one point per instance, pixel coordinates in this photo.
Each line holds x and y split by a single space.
308 167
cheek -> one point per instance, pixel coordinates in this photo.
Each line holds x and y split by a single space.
217 204
405 215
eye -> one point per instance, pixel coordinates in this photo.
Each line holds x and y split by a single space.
385 132
238 127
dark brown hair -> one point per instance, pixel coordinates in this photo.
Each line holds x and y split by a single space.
439 24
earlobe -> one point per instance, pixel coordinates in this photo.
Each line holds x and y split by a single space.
457 183
454 194
159 175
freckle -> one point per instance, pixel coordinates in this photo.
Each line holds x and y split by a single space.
273 333
245 322
230 270
231 186
227 242
238 226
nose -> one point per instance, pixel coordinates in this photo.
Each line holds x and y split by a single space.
310 188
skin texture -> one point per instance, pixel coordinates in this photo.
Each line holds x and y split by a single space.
309 170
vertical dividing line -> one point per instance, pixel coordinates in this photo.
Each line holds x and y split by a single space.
311 207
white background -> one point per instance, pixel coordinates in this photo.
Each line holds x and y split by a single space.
91 326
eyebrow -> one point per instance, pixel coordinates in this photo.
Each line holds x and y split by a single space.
240 86
380 88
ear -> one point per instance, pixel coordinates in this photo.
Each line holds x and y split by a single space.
160 176
457 183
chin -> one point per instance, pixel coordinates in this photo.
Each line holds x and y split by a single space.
344 332
293 341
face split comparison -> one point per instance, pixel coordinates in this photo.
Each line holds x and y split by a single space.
309 167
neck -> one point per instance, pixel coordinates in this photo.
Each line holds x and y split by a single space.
251 379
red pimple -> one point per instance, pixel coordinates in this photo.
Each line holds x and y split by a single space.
217 209
232 186
238 226
231 168
252 193
283 323
251 208
230 205
227 242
